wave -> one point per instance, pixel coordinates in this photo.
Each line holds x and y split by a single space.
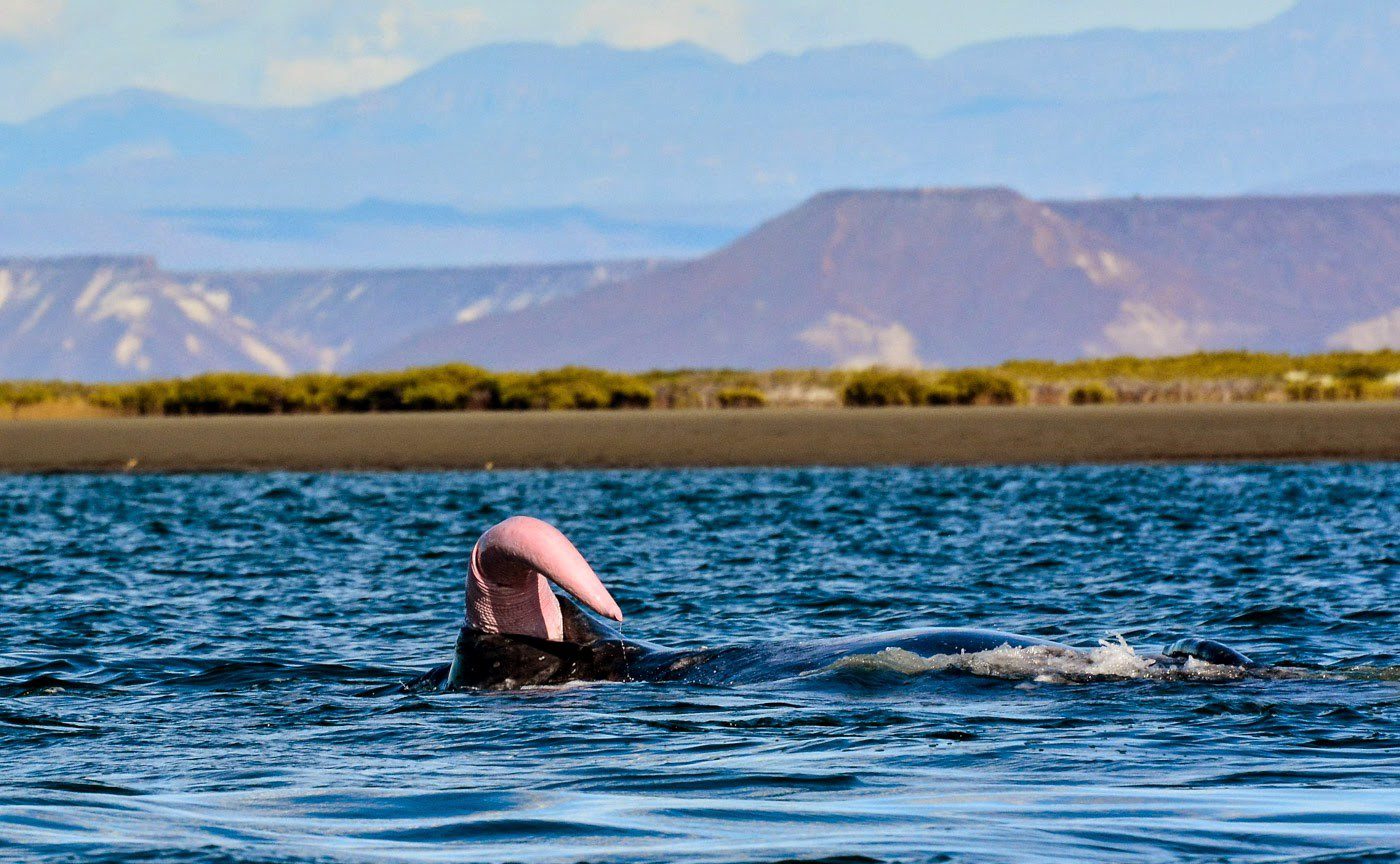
1111 660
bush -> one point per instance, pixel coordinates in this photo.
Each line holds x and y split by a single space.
1311 389
940 393
1222 376
226 393
1092 393
311 392
626 391
1208 366
980 387
879 387
146 397
453 387
741 397
573 387
20 394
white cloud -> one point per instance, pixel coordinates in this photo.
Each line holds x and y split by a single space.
856 344
402 21
715 24
1146 331
1373 334
208 17
303 80
366 52
27 20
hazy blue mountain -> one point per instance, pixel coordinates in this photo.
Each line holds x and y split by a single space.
649 140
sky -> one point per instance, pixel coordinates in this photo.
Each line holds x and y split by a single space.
295 52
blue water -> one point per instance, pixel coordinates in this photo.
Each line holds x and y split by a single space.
183 663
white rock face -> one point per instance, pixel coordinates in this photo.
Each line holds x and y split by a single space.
102 319
109 318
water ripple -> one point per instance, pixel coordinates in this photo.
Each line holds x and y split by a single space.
206 668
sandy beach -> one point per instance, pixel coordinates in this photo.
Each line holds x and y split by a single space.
622 439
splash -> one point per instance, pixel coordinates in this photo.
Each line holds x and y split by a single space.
1111 660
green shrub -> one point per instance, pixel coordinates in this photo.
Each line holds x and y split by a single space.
877 386
1217 376
1092 393
627 391
225 393
981 387
587 395
312 392
1311 390
741 397
573 387
454 386
19 394
145 397
1207 366
940 393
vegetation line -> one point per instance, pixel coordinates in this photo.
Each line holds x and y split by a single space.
1202 377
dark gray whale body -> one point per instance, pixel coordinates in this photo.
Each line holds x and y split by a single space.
594 651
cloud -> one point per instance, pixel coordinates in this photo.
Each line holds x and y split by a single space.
28 20
387 43
1373 334
410 20
208 17
1144 330
856 344
715 24
304 80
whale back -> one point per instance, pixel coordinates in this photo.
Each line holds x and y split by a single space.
509 661
591 650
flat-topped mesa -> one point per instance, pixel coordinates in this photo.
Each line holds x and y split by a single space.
959 277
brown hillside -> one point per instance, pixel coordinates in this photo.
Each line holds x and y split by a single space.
977 276
937 275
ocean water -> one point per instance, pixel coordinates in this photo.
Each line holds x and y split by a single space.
192 667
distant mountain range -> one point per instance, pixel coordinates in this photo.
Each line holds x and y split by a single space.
535 152
898 277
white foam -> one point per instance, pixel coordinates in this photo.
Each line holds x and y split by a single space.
1112 660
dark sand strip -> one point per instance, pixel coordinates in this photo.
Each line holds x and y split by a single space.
701 438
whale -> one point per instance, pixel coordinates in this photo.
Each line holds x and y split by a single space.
517 632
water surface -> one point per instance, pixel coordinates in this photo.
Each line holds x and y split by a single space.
183 663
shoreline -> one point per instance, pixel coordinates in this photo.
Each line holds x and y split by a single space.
1365 431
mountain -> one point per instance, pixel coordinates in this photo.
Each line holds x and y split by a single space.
971 276
853 277
109 317
671 149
